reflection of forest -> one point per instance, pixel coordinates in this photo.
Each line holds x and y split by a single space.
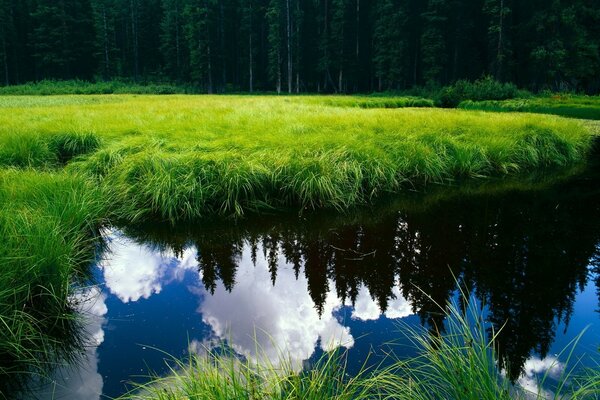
524 254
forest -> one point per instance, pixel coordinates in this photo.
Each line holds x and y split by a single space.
293 46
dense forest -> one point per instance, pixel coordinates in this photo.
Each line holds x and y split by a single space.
303 45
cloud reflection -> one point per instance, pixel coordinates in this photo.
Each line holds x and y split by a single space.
261 320
367 309
83 380
133 271
536 369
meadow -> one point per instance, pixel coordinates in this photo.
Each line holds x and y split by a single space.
181 158
70 164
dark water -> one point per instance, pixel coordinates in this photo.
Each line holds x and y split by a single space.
531 254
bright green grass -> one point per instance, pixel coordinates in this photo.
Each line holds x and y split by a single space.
47 225
582 107
184 157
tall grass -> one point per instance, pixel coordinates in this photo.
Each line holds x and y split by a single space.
47 225
218 375
459 363
571 106
185 157
49 150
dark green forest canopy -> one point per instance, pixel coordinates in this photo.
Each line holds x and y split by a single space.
303 45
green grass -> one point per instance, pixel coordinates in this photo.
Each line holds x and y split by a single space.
571 106
185 157
459 364
220 374
47 224
367 101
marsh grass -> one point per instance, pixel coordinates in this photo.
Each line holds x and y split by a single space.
34 150
186 157
219 373
366 101
48 225
571 106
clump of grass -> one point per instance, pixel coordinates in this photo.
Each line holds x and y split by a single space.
571 106
458 363
47 223
49 150
222 374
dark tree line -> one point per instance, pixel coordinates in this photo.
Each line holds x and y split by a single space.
303 45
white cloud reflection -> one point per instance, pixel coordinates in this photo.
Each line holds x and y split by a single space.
536 369
133 271
367 309
83 380
262 321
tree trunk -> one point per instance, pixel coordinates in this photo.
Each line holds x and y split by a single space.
177 44
289 47
210 80
222 43
250 56
278 71
106 55
357 29
499 54
134 32
4 52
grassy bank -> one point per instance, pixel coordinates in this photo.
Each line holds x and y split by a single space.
459 364
571 106
184 157
47 226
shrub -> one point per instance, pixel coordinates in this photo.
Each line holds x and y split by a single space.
483 89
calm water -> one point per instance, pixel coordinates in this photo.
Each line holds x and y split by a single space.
314 283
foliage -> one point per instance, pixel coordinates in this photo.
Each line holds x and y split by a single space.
53 87
313 46
482 89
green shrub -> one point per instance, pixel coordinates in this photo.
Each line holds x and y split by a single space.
483 89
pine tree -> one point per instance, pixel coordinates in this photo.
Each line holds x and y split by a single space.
173 46
199 35
433 43
498 12
275 43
